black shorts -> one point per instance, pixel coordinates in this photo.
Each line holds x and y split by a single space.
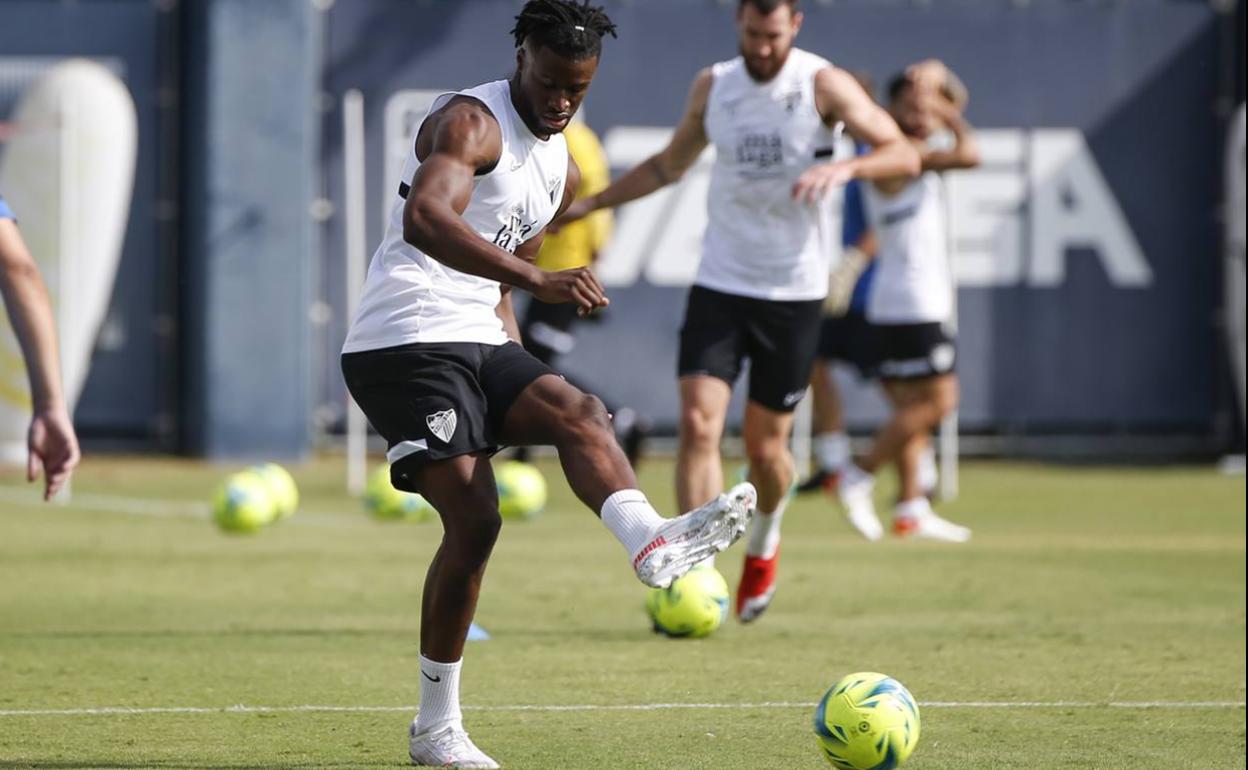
780 339
913 351
848 339
434 401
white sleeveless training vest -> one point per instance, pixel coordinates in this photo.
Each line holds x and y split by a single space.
411 297
913 281
759 241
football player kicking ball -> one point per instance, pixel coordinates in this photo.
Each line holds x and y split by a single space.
432 359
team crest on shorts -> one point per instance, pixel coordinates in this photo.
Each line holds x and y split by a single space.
443 424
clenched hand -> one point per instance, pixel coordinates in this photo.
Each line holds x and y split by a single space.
578 286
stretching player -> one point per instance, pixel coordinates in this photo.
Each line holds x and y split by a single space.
911 305
771 114
432 360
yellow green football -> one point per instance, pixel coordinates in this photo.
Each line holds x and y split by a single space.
693 606
386 503
521 490
243 503
867 721
281 487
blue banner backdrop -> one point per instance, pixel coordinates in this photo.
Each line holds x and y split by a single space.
1086 245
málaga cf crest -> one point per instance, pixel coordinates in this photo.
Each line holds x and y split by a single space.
442 424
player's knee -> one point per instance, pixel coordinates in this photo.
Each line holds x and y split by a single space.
470 517
943 397
474 529
698 429
587 416
764 452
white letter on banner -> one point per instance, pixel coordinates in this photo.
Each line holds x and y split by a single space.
986 206
1073 207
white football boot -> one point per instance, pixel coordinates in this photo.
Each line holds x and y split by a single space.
856 489
680 543
447 746
915 518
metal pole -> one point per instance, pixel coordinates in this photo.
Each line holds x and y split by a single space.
355 206
803 421
947 438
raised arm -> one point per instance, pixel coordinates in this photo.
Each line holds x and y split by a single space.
965 150
456 143
661 169
52 445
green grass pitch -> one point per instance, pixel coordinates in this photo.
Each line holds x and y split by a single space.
1083 587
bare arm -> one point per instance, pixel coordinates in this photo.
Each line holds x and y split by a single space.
965 151
665 167
30 312
454 144
891 154
839 97
53 447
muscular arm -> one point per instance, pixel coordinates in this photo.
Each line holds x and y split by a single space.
453 145
840 97
667 166
51 441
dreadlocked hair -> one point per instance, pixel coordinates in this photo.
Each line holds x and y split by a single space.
571 29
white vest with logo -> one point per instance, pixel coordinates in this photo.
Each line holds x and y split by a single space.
913 282
759 241
411 297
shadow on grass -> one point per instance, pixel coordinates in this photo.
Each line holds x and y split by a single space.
516 632
173 633
180 764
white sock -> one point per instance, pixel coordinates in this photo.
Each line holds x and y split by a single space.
851 474
764 538
631 518
831 451
439 695
929 474
914 508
